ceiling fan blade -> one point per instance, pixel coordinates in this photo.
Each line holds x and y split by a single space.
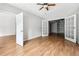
47 8
40 3
41 8
51 4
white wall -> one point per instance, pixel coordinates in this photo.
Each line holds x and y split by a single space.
32 26
25 25
7 24
35 26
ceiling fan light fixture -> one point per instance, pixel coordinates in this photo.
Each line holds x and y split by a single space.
46 5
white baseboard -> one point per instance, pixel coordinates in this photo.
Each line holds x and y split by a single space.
34 37
70 39
78 42
6 35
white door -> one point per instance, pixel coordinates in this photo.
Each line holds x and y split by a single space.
44 28
70 28
19 29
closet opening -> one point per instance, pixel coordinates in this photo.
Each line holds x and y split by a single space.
56 27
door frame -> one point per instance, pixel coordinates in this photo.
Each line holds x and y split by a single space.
47 28
67 38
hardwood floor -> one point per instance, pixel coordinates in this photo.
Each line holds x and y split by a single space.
53 45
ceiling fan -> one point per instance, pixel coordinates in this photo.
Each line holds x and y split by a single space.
46 5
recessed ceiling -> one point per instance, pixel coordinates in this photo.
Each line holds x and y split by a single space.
60 10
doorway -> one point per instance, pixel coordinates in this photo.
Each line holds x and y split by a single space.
56 27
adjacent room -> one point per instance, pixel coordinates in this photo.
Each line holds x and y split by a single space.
56 27
39 29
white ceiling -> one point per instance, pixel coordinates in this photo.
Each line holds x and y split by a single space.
59 11
5 7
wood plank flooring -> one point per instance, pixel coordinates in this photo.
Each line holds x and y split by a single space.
53 45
